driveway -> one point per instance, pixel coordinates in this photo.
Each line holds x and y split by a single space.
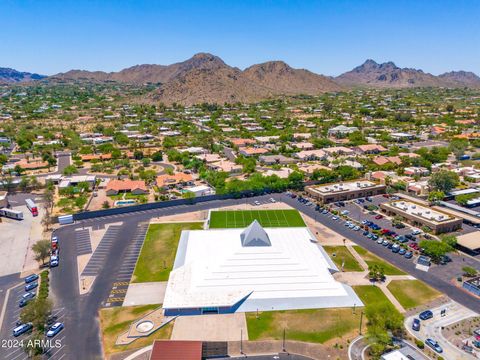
432 328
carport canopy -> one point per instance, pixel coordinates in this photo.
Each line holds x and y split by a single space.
470 241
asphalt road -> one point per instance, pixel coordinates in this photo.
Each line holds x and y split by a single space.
81 321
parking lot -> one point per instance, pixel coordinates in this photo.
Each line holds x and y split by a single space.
11 348
124 275
95 264
82 241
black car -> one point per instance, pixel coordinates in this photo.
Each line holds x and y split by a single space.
416 324
31 286
427 314
31 278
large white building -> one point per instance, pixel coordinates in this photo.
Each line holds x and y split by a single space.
229 270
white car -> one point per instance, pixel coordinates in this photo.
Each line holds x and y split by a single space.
257 203
272 200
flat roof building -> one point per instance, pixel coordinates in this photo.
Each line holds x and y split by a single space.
419 215
345 191
245 270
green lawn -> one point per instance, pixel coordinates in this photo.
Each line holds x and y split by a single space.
412 293
370 295
267 218
158 252
313 325
343 256
372 259
115 321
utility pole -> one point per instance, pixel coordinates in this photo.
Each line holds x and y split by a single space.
283 342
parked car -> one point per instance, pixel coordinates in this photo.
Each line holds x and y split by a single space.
378 217
54 242
54 260
272 200
22 329
416 324
434 345
55 329
395 248
334 217
31 278
380 241
345 212
31 286
425 315
26 298
408 255
257 203
356 228
402 251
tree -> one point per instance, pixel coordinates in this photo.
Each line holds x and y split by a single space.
70 170
106 205
458 147
42 250
435 249
444 180
157 156
436 196
382 318
37 312
451 240
376 272
188 195
469 271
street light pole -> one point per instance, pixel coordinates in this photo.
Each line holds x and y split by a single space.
361 319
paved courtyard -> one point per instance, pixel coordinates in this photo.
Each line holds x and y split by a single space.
225 327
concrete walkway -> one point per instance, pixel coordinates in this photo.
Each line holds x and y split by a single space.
357 257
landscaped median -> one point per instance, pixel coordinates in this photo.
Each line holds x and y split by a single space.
158 251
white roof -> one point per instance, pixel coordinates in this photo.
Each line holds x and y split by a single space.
213 269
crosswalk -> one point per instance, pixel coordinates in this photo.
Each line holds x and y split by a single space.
98 258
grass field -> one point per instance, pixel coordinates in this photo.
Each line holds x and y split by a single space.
314 325
372 259
115 321
371 295
412 293
266 218
343 256
158 252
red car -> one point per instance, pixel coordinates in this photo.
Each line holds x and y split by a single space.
414 246
379 217
384 231
386 196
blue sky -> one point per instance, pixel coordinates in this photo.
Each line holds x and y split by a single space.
327 37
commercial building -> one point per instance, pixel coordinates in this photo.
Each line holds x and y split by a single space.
245 270
473 285
345 191
418 215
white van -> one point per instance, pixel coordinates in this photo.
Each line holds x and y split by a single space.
19 330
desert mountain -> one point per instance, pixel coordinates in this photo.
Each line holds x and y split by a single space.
461 78
8 75
387 75
280 77
206 78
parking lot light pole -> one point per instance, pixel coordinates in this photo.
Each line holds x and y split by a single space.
361 319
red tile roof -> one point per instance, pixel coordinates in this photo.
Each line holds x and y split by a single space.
126 185
176 350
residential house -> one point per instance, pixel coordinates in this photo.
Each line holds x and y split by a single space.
136 187
175 180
